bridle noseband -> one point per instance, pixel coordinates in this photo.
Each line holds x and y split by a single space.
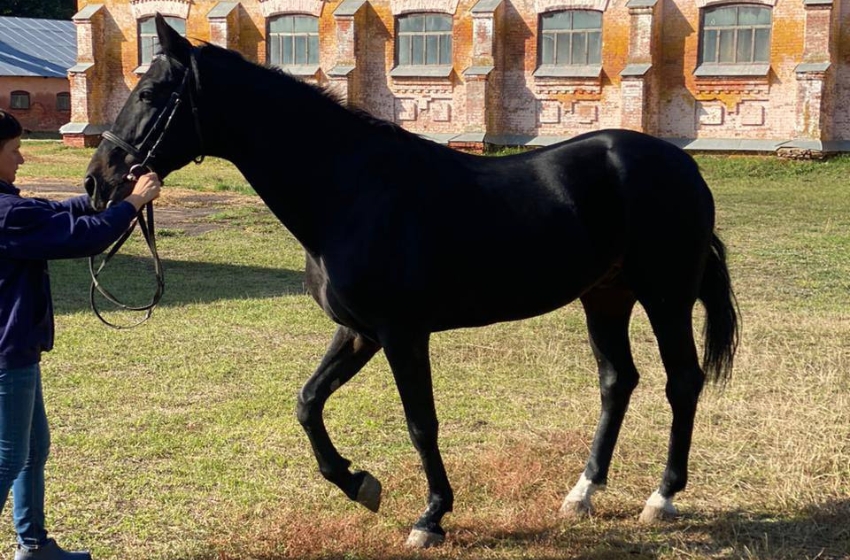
190 85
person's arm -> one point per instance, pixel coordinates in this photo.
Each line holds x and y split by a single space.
34 229
79 205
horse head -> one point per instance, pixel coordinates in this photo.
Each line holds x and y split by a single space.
157 129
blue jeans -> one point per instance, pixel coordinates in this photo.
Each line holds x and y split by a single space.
24 446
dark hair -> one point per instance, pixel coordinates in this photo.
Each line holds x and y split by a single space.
9 127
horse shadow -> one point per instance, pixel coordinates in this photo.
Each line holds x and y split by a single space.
820 531
131 280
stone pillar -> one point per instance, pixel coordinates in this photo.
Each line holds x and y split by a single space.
486 15
85 106
224 24
815 74
343 75
633 90
637 87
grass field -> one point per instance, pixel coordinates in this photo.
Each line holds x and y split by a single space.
178 440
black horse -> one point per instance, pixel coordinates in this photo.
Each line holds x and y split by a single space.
405 237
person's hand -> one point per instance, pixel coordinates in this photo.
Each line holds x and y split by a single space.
145 190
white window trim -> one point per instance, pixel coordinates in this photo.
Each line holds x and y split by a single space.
712 3
401 7
271 8
143 9
541 6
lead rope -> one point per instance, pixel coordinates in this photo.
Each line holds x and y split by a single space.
146 225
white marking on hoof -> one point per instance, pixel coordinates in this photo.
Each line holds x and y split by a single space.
369 494
423 539
658 508
578 502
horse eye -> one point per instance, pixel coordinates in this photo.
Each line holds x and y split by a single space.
146 95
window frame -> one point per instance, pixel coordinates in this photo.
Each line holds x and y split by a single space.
569 35
312 38
62 107
736 30
444 55
16 96
149 42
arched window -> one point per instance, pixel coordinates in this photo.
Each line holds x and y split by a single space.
424 40
736 34
293 40
20 100
571 38
148 41
63 101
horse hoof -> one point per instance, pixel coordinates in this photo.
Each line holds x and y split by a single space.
369 493
653 514
571 509
424 539
658 508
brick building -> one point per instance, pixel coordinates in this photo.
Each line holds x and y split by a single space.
761 75
35 55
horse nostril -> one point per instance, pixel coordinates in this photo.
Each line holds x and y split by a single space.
90 184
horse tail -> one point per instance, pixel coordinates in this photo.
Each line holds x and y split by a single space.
721 331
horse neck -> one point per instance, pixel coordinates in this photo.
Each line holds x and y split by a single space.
286 149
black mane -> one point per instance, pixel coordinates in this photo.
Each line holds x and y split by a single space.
277 78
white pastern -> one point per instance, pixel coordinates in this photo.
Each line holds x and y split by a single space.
579 500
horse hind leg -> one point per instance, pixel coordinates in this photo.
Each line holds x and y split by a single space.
672 324
608 311
348 352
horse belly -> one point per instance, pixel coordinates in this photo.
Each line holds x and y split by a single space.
510 295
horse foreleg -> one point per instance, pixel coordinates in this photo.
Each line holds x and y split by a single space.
410 363
685 379
347 354
607 312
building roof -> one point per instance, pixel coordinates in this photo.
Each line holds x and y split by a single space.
37 47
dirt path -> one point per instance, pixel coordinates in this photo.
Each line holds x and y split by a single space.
180 209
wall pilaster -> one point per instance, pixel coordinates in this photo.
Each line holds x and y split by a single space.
637 87
816 73
224 24
486 16
83 77
343 76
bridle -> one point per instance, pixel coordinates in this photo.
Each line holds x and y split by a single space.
190 86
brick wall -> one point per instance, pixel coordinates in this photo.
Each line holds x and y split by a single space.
647 79
42 116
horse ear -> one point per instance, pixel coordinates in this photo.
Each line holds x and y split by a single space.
171 42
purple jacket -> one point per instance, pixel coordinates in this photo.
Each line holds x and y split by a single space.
33 231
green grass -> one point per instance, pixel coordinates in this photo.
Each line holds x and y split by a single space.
52 160
178 440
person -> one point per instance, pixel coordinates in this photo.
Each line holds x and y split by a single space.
32 232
